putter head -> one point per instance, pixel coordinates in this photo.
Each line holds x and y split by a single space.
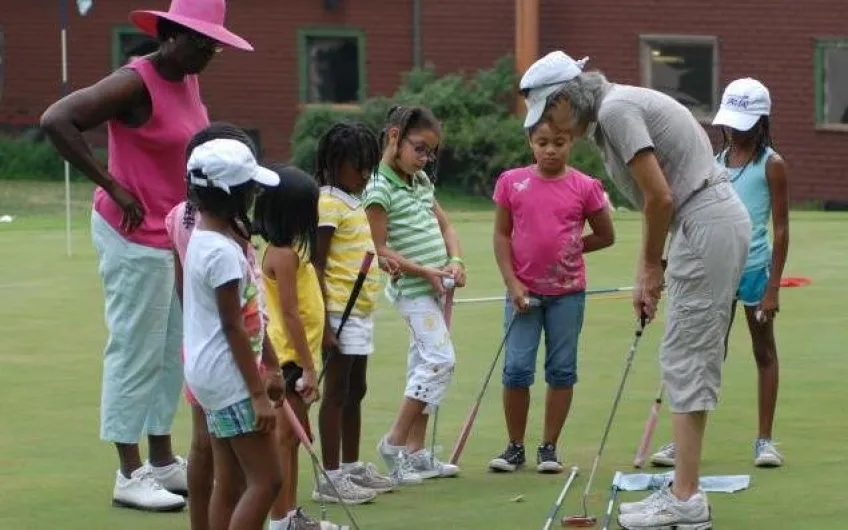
579 521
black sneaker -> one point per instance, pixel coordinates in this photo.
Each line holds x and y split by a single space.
509 460
546 459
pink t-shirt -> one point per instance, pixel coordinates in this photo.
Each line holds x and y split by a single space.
548 217
150 161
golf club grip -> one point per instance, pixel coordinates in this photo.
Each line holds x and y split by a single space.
357 288
463 434
448 307
648 433
645 442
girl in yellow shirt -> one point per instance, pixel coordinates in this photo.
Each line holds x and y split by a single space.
286 217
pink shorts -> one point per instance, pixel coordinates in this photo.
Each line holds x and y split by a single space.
186 390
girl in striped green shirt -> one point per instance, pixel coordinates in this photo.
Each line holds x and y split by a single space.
411 229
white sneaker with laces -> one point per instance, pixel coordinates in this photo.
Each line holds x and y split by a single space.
667 512
640 506
766 454
174 477
348 492
665 456
400 468
365 475
428 466
142 492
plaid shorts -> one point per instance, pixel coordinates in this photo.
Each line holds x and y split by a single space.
232 421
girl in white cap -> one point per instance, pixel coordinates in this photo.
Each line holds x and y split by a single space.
758 175
225 333
661 159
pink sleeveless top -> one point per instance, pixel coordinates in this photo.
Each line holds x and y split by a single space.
150 161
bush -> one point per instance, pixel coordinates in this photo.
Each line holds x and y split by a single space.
24 159
481 136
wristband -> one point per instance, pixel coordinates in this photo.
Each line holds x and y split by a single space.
457 259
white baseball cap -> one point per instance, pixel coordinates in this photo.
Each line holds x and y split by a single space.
224 163
743 103
544 78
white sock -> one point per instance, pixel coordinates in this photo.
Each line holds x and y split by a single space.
282 524
347 467
333 473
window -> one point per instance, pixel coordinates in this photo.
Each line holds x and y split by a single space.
685 68
332 66
127 41
832 82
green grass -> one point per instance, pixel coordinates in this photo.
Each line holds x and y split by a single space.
55 473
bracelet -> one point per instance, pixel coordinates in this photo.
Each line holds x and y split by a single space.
457 259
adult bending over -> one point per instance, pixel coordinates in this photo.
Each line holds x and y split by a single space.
152 108
661 159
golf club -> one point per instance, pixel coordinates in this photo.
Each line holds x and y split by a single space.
448 312
465 431
611 502
584 519
648 434
305 441
558 504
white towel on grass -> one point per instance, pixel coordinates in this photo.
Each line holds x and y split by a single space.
649 481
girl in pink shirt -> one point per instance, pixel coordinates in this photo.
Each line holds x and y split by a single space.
539 246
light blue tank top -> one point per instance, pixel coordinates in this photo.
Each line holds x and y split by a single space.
751 185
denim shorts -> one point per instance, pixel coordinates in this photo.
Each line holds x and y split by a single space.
561 317
752 286
232 421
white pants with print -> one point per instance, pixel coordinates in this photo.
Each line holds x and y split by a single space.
431 359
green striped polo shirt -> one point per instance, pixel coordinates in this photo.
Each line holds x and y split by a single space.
413 230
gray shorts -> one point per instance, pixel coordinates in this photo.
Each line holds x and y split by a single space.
709 245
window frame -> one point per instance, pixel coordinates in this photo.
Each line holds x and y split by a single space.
117 31
820 47
681 39
303 63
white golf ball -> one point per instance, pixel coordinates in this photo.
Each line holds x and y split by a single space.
298 385
448 282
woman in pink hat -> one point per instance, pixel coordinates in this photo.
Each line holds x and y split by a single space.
152 108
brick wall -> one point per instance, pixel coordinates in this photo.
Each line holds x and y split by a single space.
771 41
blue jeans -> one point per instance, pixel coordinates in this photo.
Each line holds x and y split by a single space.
561 317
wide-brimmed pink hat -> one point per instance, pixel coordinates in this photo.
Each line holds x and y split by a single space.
203 16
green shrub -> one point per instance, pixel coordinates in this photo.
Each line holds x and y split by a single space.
481 136
22 159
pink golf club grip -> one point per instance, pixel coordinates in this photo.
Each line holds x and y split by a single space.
650 425
463 435
448 307
366 262
304 438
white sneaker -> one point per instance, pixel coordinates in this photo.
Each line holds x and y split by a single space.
766 454
366 476
428 466
142 492
174 477
300 521
640 506
400 468
667 512
665 456
348 492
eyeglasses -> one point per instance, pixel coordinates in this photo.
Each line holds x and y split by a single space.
204 43
422 150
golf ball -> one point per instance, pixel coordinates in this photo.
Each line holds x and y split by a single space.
448 282
298 385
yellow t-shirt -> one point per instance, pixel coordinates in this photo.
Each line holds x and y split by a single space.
311 308
351 240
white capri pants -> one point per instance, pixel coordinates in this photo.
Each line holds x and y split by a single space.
431 359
